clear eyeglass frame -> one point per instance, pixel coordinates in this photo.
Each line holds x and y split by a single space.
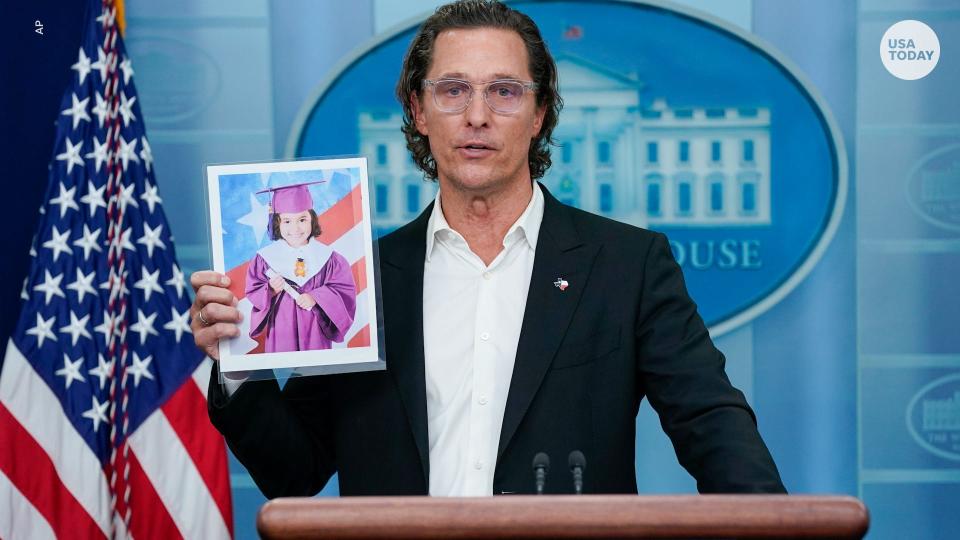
496 104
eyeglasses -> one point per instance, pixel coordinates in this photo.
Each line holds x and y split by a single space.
503 96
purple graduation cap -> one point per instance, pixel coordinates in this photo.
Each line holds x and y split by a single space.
288 200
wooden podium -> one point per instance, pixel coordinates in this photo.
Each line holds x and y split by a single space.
566 516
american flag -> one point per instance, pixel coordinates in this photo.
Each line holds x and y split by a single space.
103 425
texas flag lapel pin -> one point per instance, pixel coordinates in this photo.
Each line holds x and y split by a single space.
561 284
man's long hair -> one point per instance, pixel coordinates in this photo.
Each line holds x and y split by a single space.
479 14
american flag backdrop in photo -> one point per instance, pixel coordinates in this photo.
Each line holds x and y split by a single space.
103 425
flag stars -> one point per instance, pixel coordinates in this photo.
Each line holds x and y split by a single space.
127 68
103 371
140 369
128 152
94 197
179 323
58 243
126 109
150 196
82 67
89 242
50 287
76 328
65 199
101 65
71 155
101 154
151 238
177 281
148 283
70 370
146 154
113 282
78 110
144 325
97 412
105 328
101 109
106 17
83 284
126 197
43 330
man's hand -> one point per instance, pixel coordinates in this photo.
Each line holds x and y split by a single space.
306 301
213 314
276 283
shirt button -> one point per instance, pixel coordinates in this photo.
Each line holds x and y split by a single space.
483 400
486 275
485 336
478 465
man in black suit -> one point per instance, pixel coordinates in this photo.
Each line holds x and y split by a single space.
513 324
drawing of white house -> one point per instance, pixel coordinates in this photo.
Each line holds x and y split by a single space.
649 166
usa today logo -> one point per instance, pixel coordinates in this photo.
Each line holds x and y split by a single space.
909 50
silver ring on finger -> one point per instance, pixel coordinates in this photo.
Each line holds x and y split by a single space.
203 320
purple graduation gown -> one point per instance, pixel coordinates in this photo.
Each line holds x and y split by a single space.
289 327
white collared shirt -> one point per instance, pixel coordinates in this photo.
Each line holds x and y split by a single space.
471 325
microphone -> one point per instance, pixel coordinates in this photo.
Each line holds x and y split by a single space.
577 464
541 464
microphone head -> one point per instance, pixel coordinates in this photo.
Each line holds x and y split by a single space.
577 459
541 460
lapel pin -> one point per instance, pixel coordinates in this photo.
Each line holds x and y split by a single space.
561 284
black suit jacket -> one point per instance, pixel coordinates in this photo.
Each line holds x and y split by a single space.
623 329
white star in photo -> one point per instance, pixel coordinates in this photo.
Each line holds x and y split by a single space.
77 111
144 325
70 370
139 369
58 243
89 242
126 197
23 290
50 287
101 109
100 153
126 109
148 283
150 197
179 323
71 155
151 238
177 281
127 68
101 64
147 155
105 327
256 219
76 328
83 284
103 371
65 199
97 412
82 67
43 330
128 152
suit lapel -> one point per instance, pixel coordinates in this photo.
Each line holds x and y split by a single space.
402 273
560 255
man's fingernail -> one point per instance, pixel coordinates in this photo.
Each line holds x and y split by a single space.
225 281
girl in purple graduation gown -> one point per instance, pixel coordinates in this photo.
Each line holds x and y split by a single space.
302 291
